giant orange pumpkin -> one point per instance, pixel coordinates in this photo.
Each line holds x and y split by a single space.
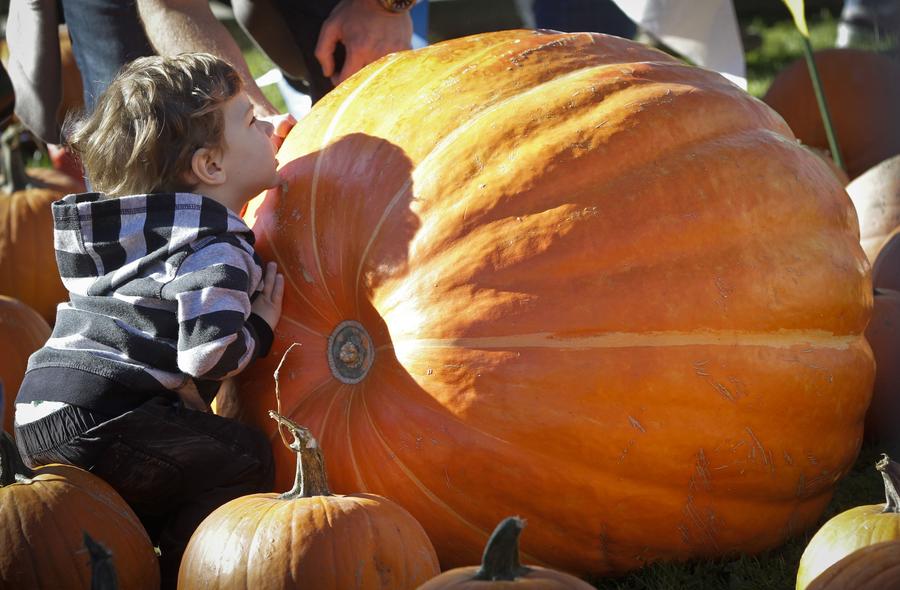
568 277
22 331
862 89
28 268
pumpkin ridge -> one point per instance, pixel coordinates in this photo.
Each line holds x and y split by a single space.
330 380
351 394
314 184
258 538
302 326
47 505
635 166
426 490
668 338
276 255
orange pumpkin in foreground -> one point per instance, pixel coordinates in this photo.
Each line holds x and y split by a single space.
862 89
308 538
854 529
500 567
44 515
28 268
570 277
22 331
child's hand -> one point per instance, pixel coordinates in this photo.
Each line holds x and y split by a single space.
267 304
190 397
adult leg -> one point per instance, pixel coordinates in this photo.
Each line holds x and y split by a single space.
304 19
106 34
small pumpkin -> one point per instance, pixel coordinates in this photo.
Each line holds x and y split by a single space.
44 514
308 538
883 334
500 567
22 331
855 528
876 196
28 268
876 567
862 89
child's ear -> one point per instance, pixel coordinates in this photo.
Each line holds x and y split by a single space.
206 167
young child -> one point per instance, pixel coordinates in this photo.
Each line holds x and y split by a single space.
167 298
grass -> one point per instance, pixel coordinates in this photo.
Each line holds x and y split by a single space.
770 47
774 570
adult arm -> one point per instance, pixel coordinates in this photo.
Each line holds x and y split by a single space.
367 30
179 26
34 65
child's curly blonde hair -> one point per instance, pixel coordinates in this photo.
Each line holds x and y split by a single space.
151 119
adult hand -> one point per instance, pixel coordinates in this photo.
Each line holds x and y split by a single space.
367 31
282 125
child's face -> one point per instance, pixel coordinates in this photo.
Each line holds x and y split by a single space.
248 155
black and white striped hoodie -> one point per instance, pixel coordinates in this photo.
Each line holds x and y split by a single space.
160 289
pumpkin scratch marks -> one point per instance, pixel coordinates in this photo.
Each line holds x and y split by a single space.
758 446
635 424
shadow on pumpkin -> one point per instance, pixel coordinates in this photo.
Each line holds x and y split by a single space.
341 233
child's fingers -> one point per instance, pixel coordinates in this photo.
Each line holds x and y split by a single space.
269 279
278 289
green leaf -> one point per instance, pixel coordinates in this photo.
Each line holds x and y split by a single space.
799 14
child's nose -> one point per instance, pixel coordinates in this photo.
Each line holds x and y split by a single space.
268 128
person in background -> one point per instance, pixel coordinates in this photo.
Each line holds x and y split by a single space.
317 43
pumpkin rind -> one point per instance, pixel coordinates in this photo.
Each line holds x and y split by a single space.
308 538
591 274
876 567
862 89
22 331
28 270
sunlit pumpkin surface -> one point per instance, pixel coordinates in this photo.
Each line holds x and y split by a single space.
605 291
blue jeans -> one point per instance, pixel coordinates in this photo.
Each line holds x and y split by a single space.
106 34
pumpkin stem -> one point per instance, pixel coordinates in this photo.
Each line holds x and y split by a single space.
103 573
501 554
12 163
12 468
310 478
890 472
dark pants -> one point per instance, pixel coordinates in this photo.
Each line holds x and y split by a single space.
173 466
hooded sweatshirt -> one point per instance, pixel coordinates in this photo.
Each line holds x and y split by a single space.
160 289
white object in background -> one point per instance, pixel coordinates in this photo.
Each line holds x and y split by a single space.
298 103
704 31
